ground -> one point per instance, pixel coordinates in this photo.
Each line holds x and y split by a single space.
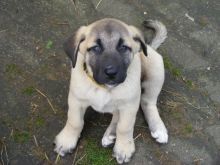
35 73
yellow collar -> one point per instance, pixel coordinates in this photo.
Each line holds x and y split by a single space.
91 78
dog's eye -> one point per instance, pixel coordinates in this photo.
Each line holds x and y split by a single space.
124 49
95 49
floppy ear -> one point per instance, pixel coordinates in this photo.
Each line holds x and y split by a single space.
138 37
142 43
72 44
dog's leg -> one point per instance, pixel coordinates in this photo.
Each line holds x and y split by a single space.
154 73
124 145
110 133
67 139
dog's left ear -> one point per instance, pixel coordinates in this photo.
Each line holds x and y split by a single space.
72 44
138 37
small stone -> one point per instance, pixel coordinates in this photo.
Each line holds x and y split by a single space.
208 68
145 13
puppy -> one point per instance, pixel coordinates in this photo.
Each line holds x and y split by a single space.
111 63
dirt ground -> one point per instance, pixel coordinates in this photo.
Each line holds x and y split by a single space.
35 73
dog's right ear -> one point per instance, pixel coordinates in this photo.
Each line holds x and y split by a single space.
72 44
138 37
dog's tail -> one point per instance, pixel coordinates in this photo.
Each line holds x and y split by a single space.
160 32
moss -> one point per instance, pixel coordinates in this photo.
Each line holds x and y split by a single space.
189 83
12 70
96 155
172 69
176 72
188 128
167 63
40 122
21 136
177 115
49 44
28 91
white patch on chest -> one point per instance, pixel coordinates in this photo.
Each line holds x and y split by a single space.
99 99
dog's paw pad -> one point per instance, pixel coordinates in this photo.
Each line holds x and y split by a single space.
161 136
108 140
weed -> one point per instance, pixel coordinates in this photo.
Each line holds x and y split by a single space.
189 83
39 122
49 44
176 72
21 136
169 66
28 91
188 128
12 70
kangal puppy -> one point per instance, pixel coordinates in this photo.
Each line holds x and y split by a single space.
111 63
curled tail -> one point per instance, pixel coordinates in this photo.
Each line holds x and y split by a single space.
160 32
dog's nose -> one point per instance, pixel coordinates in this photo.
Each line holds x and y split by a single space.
111 70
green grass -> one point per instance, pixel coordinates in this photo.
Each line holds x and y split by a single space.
188 128
189 83
176 72
96 154
172 69
28 91
21 136
12 70
49 44
40 122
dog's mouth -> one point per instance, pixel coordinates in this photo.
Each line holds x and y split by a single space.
111 83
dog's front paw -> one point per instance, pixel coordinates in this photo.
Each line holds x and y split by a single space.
107 140
123 151
65 143
160 134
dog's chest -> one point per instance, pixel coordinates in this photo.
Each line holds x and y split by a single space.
101 101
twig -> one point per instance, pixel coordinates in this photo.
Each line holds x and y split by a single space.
74 159
45 154
11 134
57 159
137 136
74 4
35 141
4 148
47 100
98 4
6 154
62 23
194 106
111 159
174 93
2 155
80 159
3 30
140 126
189 17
